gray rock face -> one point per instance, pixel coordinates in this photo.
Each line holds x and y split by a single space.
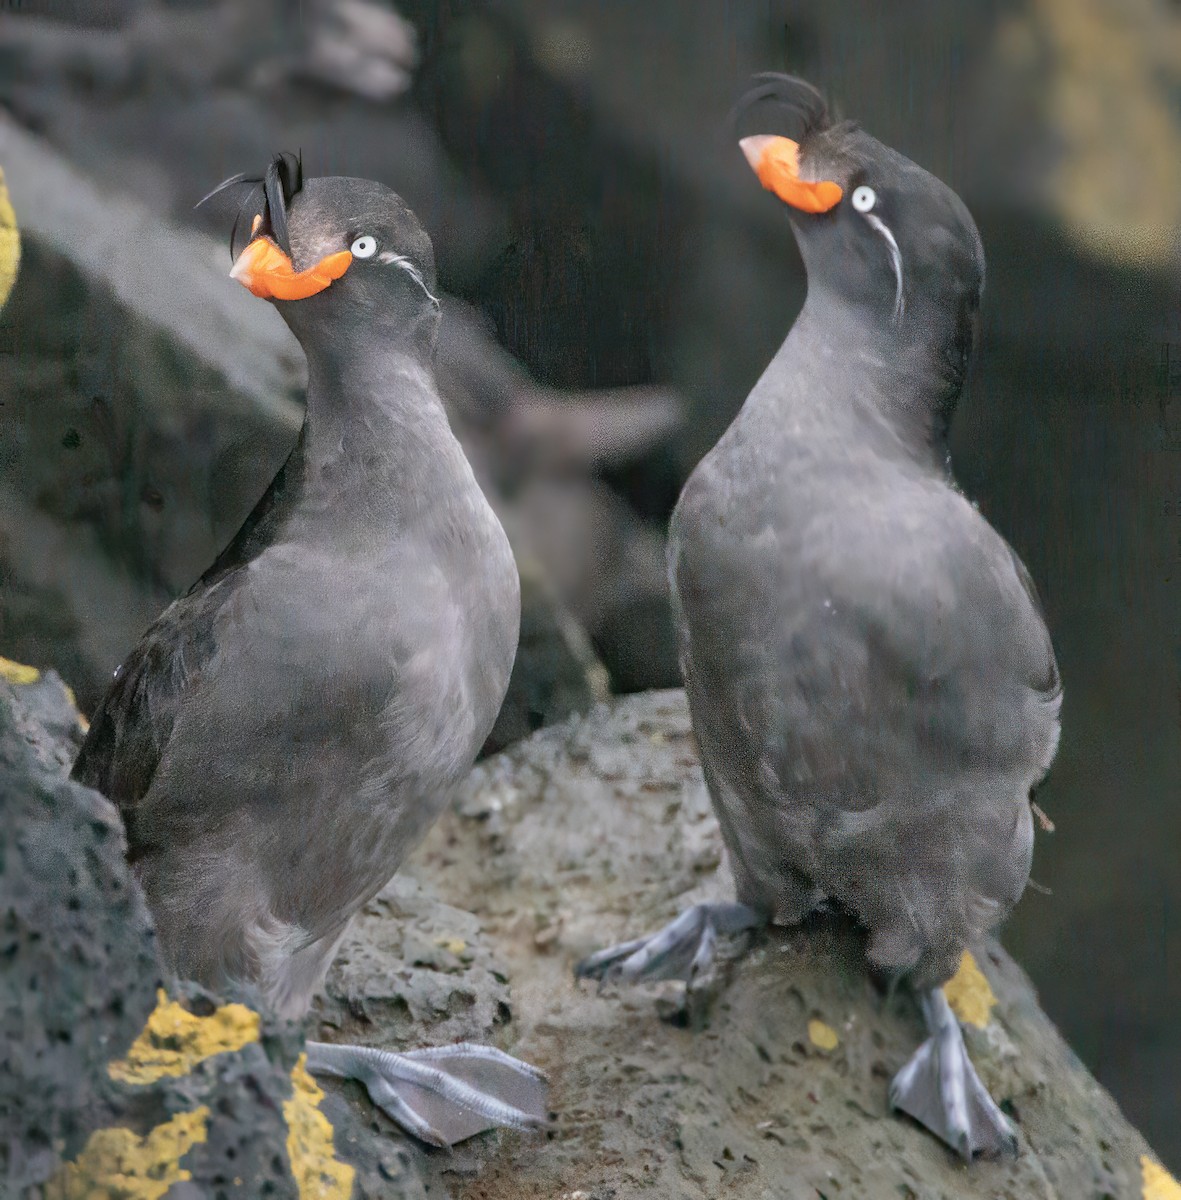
79 970
583 833
78 985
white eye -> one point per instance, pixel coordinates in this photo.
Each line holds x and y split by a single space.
364 247
864 198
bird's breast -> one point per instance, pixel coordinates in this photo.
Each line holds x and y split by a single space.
404 629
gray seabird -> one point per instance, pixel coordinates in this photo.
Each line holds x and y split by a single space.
287 731
870 677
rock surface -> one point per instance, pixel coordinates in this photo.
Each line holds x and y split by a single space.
599 829
771 1083
104 1090
79 961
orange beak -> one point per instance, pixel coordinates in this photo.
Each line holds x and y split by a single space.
776 161
262 268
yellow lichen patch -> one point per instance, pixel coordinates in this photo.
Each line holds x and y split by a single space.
1158 1183
969 994
118 1165
1105 75
83 723
823 1036
15 672
317 1171
452 944
10 243
174 1041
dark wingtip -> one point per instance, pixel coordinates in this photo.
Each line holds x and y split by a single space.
787 105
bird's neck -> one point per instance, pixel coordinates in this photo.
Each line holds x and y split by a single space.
895 382
375 422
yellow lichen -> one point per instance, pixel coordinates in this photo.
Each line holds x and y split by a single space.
969 994
822 1036
174 1041
1158 1183
1106 72
10 243
453 944
116 1164
14 672
318 1172
83 723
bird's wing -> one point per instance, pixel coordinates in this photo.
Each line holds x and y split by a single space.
1046 679
899 648
940 659
130 730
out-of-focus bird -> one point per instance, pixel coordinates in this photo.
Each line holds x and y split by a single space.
288 731
870 676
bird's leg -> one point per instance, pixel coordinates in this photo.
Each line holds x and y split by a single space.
939 1087
443 1094
684 949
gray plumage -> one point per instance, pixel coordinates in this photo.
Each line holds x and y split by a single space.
289 730
870 677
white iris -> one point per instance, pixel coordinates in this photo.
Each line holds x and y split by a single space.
864 198
364 247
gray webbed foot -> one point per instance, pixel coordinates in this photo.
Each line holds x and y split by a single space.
686 948
939 1087
443 1094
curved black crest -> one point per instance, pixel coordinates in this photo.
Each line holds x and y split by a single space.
780 104
282 179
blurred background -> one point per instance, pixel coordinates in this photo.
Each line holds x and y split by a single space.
615 281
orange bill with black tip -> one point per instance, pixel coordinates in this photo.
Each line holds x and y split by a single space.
776 161
262 268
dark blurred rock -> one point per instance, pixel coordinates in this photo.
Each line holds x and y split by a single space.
144 418
359 46
555 673
609 567
95 18
225 87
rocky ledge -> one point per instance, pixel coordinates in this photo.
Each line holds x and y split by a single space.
772 1083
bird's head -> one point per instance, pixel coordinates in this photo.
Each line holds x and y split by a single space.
333 253
879 236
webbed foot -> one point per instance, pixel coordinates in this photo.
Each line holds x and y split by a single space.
686 948
939 1087
443 1094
